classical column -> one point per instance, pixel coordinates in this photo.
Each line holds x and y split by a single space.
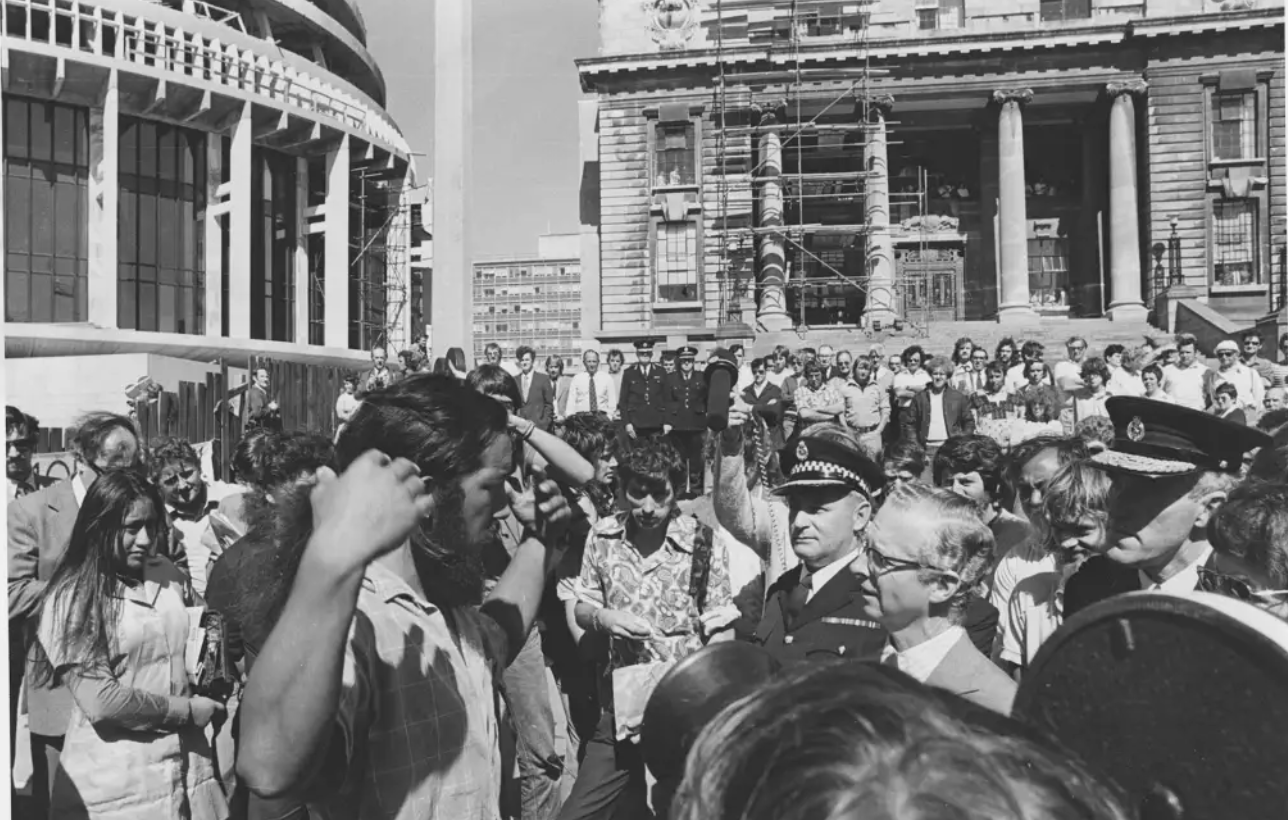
104 185
300 254
240 177
1124 217
216 213
772 314
1013 232
335 298
882 302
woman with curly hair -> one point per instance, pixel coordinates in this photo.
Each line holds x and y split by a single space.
1090 399
113 629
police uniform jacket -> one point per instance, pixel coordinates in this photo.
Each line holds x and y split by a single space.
832 625
1097 579
685 401
642 402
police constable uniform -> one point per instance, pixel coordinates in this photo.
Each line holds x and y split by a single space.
1158 440
641 403
685 400
830 623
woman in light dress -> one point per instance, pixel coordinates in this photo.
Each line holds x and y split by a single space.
113 630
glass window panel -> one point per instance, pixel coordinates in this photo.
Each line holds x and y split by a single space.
147 229
16 136
42 143
42 215
147 273
17 296
147 306
167 152
128 231
126 309
147 149
82 137
42 297
82 290
166 309
129 147
64 135
168 237
17 201
67 225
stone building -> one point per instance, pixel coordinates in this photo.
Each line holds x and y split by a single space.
531 300
189 182
757 166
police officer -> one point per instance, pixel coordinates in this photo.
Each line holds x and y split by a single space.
642 408
1172 467
685 400
815 611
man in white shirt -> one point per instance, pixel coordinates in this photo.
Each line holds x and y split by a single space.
616 361
1068 372
1187 380
1172 468
1017 376
926 550
590 390
1246 381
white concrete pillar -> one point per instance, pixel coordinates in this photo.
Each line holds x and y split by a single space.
301 254
453 302
772 315
591 288
336 217
239 226
1124 217
214 259
104 187
883 302
1013 239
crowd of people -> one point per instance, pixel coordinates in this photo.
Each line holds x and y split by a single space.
459 606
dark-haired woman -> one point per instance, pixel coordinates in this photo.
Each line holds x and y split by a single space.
113 628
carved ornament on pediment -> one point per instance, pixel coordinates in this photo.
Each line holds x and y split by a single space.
671 23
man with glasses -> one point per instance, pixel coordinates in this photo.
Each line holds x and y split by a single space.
1172 468
21 432
926 550
1068 372
1251 358
814 611
973 379
1246 381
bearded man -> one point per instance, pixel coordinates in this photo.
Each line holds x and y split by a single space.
374 696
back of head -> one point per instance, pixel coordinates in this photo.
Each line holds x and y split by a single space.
592 435
492 380
840 741
1252 526
93 430
251 457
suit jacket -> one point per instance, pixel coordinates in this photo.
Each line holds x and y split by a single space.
1097 579
832 625
966 672
641 403
685 401
539 405
769 405
957 416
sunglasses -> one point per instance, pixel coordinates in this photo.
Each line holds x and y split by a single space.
1238 588
1225 354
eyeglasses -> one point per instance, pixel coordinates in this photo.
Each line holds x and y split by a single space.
879 564
1225 354
1238 588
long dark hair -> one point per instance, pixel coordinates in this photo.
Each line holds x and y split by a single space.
85 582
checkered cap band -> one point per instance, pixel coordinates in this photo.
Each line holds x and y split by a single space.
821 474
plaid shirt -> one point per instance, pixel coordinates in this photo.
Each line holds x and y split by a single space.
656 588
417 712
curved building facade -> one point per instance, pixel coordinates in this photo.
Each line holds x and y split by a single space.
200 182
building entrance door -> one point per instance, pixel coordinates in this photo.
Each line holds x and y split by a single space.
932 281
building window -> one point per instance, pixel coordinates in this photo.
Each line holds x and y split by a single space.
675 262
1048 271
162 228
673 154
317 288
272 280
946 14
46 205
927 19
1234 242
1234 125
1056 10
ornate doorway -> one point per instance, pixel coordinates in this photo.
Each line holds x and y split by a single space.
931 277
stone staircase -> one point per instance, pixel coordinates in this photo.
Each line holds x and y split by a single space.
1052 333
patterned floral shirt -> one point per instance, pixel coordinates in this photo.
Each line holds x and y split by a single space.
657 587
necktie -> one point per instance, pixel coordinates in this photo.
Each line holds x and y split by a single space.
527 385
797 597
594 399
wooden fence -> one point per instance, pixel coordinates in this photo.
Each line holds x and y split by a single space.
199 412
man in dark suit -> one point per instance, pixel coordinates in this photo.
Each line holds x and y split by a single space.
937 413
537 390
766 400
21 433
816 611
642 407
685 403
40 530
1172 467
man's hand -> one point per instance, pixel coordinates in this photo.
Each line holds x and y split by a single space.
369 510
713 621
542 509
623 624
666 429
630 430
203 710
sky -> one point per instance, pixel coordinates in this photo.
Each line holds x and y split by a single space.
526 168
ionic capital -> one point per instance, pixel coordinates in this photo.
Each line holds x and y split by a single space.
1023 96
1136 87
882 103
